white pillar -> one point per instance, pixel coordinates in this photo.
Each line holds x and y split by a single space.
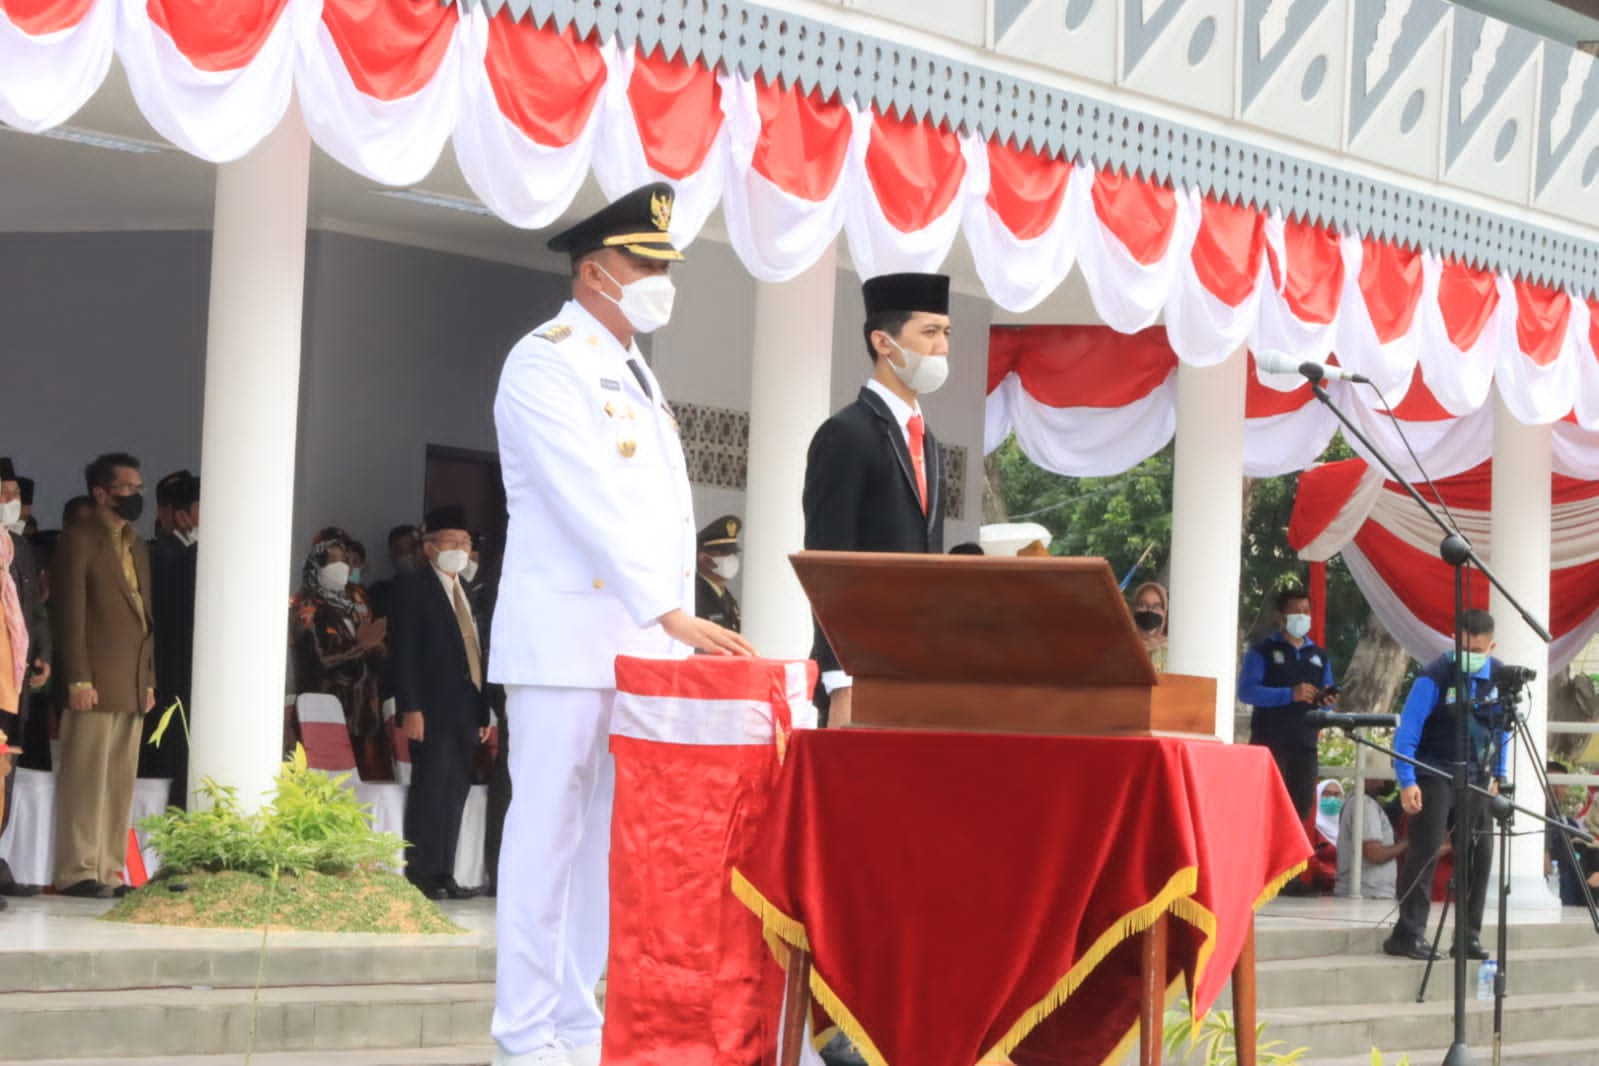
1207 528
252 400
1520 558
789 398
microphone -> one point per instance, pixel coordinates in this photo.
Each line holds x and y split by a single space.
1339 720
1281 363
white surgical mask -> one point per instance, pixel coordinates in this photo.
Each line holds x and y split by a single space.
469 572
646 302
452 561
334 576
11 515
726 567
922 374
1297 625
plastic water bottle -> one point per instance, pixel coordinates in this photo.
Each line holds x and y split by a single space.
1485 979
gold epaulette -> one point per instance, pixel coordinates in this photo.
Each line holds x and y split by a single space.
554 334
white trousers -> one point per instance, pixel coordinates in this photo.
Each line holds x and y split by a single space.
553 907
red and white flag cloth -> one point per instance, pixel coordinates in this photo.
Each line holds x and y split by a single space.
697 742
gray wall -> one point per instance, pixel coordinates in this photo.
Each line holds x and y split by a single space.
102 348
403 349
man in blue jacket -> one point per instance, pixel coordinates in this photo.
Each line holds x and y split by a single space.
1428 732
1284 677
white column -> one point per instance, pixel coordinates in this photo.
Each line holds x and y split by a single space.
1207 528
252 399
789 398
1520 558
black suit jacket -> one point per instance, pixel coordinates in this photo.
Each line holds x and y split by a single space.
30 593
860 490
428 667
172 579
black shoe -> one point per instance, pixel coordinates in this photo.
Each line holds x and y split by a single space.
841 1051
119 891
1474 950
1404 947
88 888
455 891
18 890
430 888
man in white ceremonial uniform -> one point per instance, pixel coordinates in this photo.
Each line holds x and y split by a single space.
600 561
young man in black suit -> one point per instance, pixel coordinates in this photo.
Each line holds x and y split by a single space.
436 668
873 476
174 561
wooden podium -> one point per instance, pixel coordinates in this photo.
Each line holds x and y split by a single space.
1004 645
1008 645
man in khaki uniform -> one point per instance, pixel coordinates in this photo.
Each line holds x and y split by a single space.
100 614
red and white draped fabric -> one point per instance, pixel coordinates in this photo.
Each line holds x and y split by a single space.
698 743
534 110
53 56
1391 550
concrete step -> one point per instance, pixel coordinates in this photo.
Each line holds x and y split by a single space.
1380 979
239 965
466 1055
165 1022
1532 1053
1349 1030
1341 938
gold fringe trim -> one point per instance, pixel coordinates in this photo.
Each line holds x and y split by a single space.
1277 884
843 1019
1180 885
774 921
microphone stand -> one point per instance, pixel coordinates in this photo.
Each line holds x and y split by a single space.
1457 551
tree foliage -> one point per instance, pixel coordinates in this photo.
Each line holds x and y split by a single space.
1127 518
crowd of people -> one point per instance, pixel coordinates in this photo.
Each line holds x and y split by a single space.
99 625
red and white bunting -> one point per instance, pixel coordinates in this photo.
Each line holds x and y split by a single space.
1390 547
533 111
53 56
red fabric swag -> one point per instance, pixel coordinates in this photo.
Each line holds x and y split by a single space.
1228 249
804 140
915 169
1025 189
36 18
1141 214
679 110
546 83
213 36
391 50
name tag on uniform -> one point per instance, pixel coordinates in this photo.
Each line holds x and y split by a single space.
610 385
1315 660
1277 657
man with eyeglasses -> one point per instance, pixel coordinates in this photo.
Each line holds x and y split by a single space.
105 661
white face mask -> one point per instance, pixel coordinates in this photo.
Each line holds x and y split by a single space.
11 515
1297 625
922 374
646 302
469 572
334 576
452 561
726 567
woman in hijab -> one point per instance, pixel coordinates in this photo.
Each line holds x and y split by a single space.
338 649
1323 870
1149 612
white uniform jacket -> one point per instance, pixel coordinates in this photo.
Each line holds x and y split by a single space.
601 539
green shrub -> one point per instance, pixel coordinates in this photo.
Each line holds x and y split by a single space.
1218 1040
312 823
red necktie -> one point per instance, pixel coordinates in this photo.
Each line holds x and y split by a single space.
914 429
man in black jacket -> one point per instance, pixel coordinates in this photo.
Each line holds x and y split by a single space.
873 476
436 667
174 559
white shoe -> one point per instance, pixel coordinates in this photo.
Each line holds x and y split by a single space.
556 1054
587 1055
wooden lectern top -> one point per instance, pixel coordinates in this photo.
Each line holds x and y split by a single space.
995 620
1008 644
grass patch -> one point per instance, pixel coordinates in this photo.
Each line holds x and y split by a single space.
362 901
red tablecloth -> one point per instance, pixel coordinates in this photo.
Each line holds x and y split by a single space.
966 894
